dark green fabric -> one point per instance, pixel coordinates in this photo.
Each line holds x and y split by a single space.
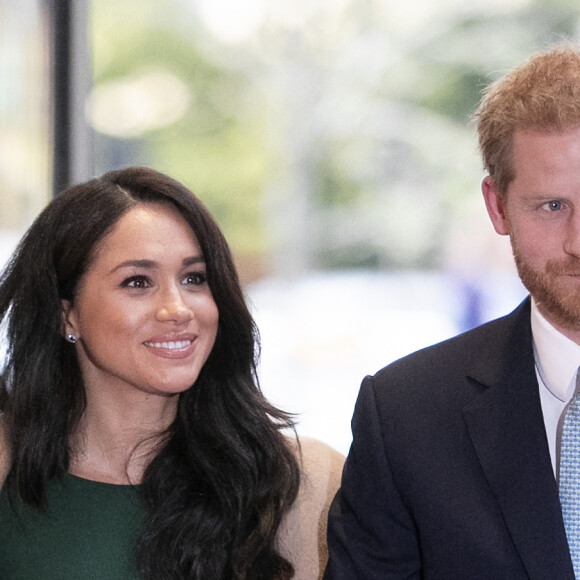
88 533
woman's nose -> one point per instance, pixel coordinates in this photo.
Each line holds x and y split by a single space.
173 308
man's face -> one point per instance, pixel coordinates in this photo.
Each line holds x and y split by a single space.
541 214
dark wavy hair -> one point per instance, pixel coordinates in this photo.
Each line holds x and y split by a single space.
225 473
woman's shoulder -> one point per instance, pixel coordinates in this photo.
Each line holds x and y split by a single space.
302 536
320 461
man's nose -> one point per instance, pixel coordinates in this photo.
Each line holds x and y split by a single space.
572 241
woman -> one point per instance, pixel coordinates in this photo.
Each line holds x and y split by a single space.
134 438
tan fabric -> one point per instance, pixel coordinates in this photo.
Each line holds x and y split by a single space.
302 537
4 462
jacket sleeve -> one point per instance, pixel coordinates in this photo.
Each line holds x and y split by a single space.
371 533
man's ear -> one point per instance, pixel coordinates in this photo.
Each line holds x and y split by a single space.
495 204
68 319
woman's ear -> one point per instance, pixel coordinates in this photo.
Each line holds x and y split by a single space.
68 326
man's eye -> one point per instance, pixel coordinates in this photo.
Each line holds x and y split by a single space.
554 205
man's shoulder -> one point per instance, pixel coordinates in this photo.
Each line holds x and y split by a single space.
488 345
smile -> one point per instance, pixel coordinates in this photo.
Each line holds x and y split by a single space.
171 345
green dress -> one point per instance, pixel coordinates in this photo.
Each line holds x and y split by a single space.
88 532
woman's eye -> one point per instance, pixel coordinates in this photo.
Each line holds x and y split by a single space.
137 282
195 279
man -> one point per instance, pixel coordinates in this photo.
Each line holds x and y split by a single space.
453 470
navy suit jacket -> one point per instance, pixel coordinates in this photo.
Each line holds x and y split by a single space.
449 473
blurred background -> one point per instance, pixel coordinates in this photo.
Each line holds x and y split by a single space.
331 139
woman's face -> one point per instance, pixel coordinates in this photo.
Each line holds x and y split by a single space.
144 317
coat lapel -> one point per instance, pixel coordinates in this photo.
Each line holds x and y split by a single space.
506 426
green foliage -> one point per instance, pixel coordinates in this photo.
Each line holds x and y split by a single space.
361 106
212 148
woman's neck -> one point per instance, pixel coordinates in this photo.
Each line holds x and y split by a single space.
116 440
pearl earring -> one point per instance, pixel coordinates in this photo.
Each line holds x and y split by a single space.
71 338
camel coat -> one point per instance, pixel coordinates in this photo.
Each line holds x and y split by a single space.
302 537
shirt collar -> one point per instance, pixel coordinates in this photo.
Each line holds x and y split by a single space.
557 357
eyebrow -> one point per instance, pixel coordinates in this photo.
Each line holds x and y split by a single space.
151 264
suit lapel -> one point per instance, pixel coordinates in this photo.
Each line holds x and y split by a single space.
506 426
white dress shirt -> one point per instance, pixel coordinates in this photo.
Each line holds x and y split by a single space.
557 361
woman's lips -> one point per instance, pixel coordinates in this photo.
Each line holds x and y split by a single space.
179 347
171 345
